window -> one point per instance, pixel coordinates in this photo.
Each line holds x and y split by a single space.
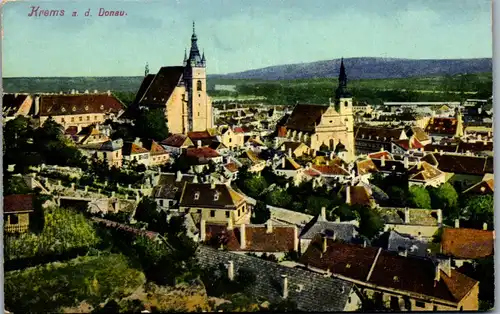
199 211
394 303
72 119
216 196
212 213
230 140
346 104
95 117
62 120
81 118
461 308
227 214
88 118
420 304
116 154
198 85
14 220
196 196
161 202
435 308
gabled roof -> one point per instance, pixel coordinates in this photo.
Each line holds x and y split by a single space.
380 134
464 243
170 185
291 145
478 146
253 157
438 148
281 239
132 149
55 105
305 117
153 147
290 164
398 242
366 166
201 152
387 269
204 196
442 126
461 164
311 292
360 196
379 155
418 133
425 172
342 230
11 103
483 187
161 87
18 203
233 167
177 140
198 135
331 170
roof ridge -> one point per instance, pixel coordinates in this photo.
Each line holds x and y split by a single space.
373 265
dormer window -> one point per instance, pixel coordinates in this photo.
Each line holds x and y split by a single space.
86 108
74 108
102 107
216 196
62 109
196 196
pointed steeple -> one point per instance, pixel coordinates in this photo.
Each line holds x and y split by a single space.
203 56
194 53
341 91
185 57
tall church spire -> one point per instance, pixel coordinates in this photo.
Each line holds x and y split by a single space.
341 91
194 53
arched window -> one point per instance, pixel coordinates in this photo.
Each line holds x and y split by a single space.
198 86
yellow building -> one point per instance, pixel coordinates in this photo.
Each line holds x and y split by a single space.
110 152
77 110
232 137
181 91
324 127
214 203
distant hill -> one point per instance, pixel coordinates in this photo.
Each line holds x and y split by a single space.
357 69
366 68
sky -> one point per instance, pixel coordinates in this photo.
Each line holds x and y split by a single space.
236 35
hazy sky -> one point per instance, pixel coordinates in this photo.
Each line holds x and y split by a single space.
236 35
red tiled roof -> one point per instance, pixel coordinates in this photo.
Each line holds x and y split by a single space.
461 164
72 130
281 239
202 152
416 144
312 172
467 243
238 130
405 144
231 167
53 105
378 155
366 166
18 203
154 148
442 126
199 135
175 140
131 149
360 196
331 170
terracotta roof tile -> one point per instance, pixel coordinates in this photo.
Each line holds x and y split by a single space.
379 155
199 135
238 130
331 170
176 140
461 164
201 152
53 105
360 196
231 167
203 195
467 243
131 149
365 167
18 203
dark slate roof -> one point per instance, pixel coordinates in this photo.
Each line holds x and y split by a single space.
169 188
162 86
144 86
304 117
461 164
384 134
343 231
398 242
12 102
317 293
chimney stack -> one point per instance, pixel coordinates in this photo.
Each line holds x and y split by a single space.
230 270
295 239
290 152
382 161
283 162
438 273
243 239
269 226
323 213
348 195
325 244
109 93
364 243
407 215
457 223
178 176
285 286
337 219
198 143
485 226
406 162
439 216
202 230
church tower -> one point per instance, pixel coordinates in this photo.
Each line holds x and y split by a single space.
199 107
343 105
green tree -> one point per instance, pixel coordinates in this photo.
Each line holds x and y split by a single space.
445 197
151 124
398 196
479 209
419 197
279 198
147 211
260 214
315 203
370 222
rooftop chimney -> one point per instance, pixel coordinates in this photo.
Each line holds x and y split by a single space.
178 176
323 213
437 273
407 215
243 239
283 162
348 195
364 243
198 143
290 152
337 219
95 91
457 223
230 270
212 184
439 216
202 230
325 244
406 162
285 286
485 226
269 226
109 93
86 91
295 239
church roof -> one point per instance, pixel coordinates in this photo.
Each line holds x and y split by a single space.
161 87
305 117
